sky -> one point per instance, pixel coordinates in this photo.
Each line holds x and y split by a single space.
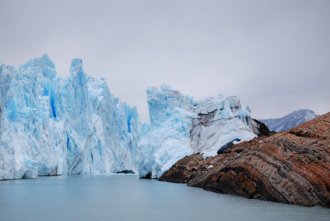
273 55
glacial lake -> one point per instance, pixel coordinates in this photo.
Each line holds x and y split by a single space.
126 197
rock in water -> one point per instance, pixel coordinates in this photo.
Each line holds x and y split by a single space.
289 167
185 169
126 172
30 174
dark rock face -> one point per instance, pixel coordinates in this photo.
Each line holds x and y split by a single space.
290 167
30 174
147 176
259 128
125 172
185 169
227 146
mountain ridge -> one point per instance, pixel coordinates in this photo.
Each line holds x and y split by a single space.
290 120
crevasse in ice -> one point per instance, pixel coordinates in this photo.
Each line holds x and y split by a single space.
56 126
180 126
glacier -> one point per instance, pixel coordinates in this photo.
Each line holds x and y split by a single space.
180 126
51 125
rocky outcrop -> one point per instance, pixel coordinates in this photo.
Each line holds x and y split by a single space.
185 169
259 128
126 172
290 167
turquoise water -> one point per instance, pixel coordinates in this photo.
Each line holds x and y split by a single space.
122 197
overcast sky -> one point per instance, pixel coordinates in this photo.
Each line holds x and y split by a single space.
273 55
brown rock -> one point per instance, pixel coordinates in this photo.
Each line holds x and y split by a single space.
185 169
290 167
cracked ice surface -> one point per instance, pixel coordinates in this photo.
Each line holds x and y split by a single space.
180 126
57 126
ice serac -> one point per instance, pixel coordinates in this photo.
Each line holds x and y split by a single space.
180 126
56 126
32 140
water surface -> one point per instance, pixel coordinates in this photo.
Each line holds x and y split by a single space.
122 197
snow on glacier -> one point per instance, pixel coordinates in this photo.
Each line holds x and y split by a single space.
180 126
56 126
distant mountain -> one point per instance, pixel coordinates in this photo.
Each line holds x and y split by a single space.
290 121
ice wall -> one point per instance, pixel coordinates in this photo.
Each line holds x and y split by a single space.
56 126
180 126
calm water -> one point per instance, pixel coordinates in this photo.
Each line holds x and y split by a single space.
120 197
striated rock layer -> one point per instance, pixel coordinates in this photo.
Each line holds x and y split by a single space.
290 167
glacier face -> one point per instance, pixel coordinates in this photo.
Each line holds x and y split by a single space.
51 125
180 126
56 126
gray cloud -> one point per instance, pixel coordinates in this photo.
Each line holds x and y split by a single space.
274 55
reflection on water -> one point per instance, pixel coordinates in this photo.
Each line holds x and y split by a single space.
122 197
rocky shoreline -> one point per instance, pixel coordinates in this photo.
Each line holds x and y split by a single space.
290 167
